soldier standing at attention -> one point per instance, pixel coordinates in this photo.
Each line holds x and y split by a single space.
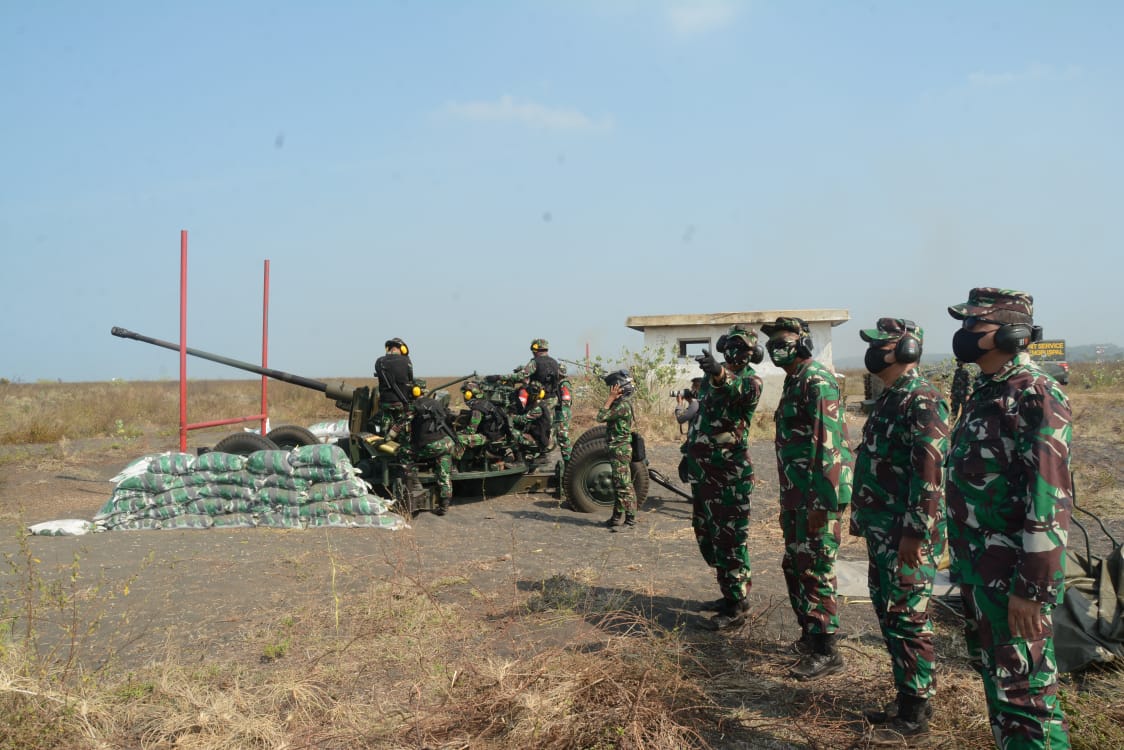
395 373
1010 495
814 470
716 453
617 416
959 392
898 507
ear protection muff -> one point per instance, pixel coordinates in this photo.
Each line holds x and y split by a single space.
720 345
416 391
1015 337
405 349
468 395
804 346
908 348
757 356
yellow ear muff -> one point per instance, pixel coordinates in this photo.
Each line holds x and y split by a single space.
405 349
468 395
416 391
542 394
534 347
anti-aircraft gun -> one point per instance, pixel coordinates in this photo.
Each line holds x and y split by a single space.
587 480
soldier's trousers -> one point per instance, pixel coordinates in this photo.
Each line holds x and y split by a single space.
809 570
440 452
900 595
562 431
720 509
1020 676
620 458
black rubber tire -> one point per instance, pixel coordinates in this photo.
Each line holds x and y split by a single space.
594 432
244 443
588 482
292 436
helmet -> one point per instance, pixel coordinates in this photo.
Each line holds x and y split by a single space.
622 378
471 390
739 345
540 345
396 342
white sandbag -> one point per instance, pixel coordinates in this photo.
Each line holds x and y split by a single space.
63 527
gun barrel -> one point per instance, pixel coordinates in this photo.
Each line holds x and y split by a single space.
340 393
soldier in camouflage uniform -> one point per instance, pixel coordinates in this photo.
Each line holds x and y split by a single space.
716 453
618 417
530 422
542 370
395 373
959 391
487 424
563 414
898 506
1010 495
814 466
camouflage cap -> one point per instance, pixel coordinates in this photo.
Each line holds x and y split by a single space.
1001 305
792 325
748 335
891 329
540 345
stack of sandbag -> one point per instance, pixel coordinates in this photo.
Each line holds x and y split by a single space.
313 485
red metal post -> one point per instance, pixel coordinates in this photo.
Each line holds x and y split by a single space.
183 341
265 351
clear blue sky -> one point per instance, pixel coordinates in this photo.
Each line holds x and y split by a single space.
469 176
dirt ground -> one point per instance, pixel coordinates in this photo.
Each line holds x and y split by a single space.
204 588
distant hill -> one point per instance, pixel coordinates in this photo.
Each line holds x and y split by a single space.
1082 353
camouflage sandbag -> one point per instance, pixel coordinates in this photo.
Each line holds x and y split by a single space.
277 497
139 524
325 473
337 490
280 521
338 520
318 455
367 505
309 510
234 521
237 478
188 521
218 461
239 506
124 503
149 482
172 463
227 492
269 462
176 496
161 512
206 506
285 482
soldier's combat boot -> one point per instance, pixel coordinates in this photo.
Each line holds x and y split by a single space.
442 507
825 659
615 520
908 728
711 606
892 709
730 615
804 645
629 523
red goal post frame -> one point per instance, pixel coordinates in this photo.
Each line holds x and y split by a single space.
263 416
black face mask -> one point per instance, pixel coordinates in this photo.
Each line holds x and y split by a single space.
966 345
875 360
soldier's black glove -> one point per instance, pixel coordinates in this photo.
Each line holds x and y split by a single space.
708 363
491 378
684 477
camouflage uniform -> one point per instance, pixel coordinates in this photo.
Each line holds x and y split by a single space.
721 475
959 391
520 421
1010 496
434 446
395 373
562 415
899 491
814 466
440 452
618 423
532 373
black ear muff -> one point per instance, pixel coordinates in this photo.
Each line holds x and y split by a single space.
804 346
908 349
757 356
1014 337
721 344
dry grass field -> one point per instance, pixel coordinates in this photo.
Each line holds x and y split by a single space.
511 623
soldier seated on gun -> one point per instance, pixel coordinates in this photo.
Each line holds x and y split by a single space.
395 373
485 425
433 441
530 422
